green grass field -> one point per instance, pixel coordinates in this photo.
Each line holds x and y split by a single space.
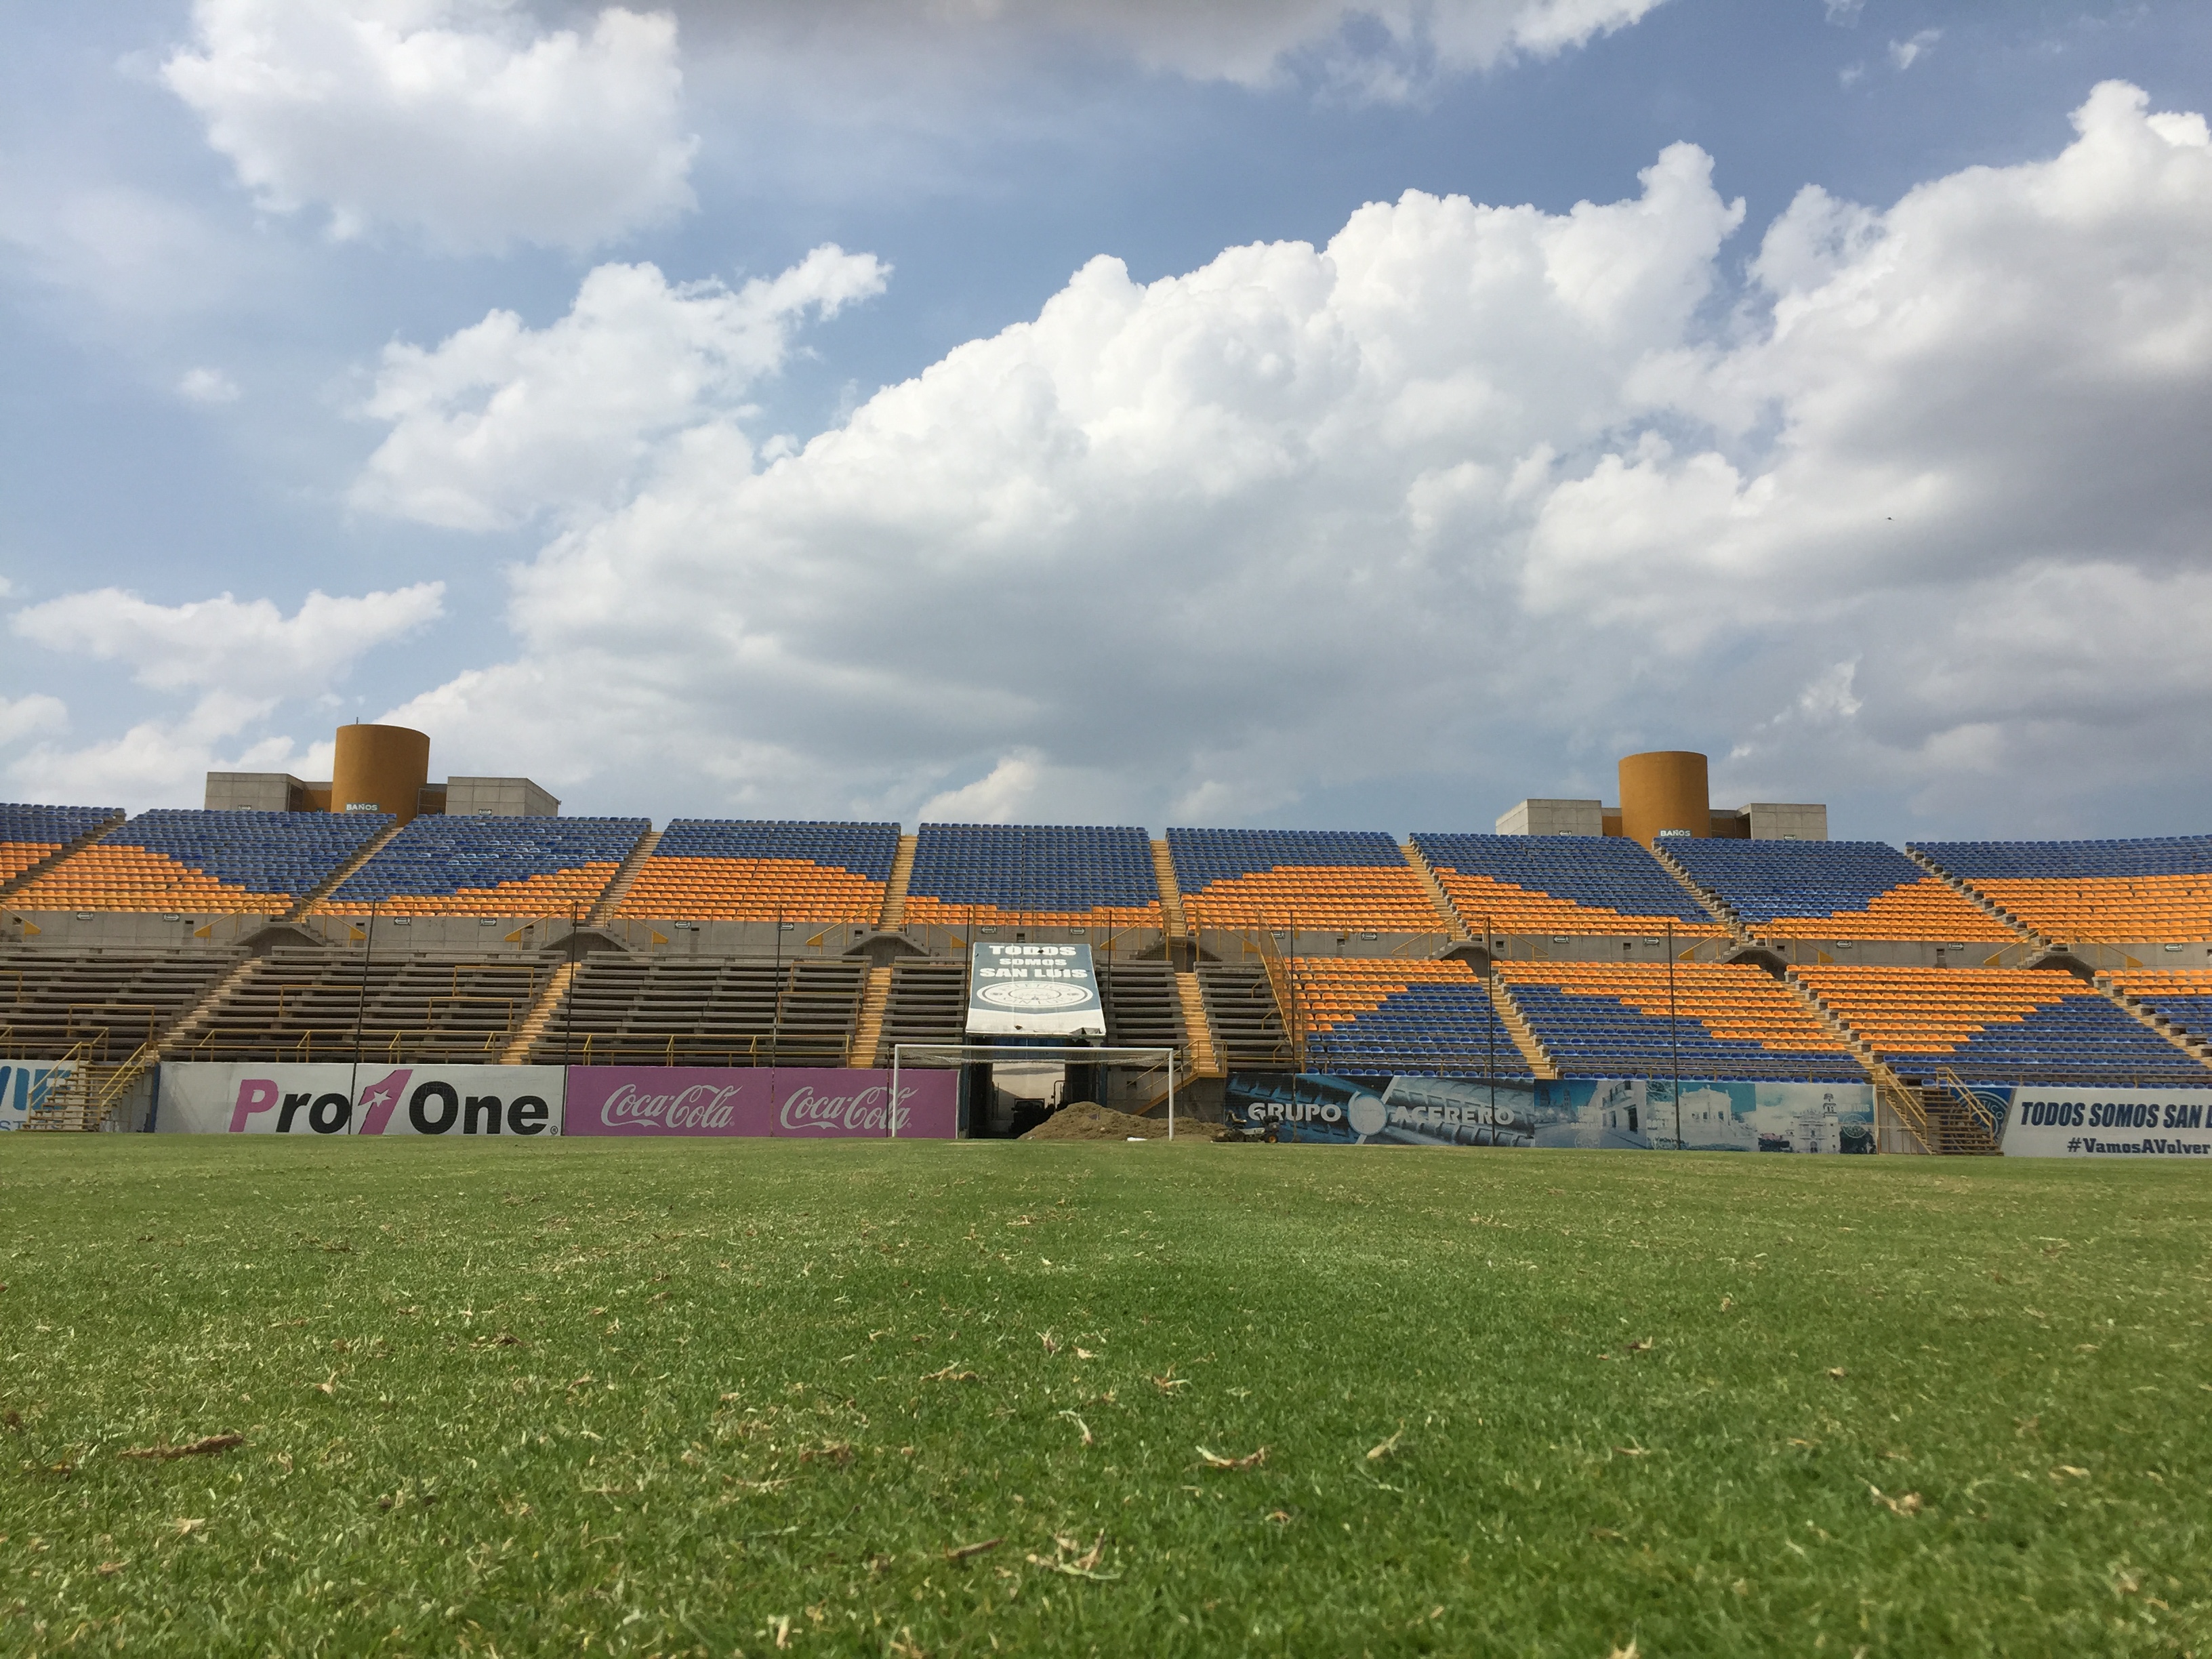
751 1396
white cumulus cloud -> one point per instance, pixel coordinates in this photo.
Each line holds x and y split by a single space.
456 119
208 386
248 648
239 658
1904 54
1482 492
500 422
1380 48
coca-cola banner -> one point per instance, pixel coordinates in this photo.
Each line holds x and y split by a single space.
814 1104
373 1098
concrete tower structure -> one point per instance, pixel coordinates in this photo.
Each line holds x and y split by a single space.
1664 791
379 769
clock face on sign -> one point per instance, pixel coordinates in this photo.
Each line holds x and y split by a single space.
1033 996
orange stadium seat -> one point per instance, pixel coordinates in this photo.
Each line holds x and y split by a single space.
1610 1019
1562 884
1275 879
736 870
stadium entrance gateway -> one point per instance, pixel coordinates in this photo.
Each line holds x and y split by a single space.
1033 1009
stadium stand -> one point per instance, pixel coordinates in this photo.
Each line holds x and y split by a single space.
1353 880
2182 998
740 870
998 875
1142 1009
486 867
51 1001
302 1003
687 1010
178 859
29 834
2106 890
928 1004
1832 890
1244 1016
1998 1026
1606 1020
1383 1015
1562 884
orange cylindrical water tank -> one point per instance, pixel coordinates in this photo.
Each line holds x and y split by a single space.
379 769
1665 789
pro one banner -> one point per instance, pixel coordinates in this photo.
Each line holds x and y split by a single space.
809 1104
2072 1122
1034 990
200 1099
1622 1114
24 1086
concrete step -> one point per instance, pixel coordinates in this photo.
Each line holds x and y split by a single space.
1205 1058
1178 925
893 915
1437 897
602 908
517 1052
868 1027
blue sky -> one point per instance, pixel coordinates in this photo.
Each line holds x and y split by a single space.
1886 498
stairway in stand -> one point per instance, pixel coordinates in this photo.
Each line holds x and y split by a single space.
603 909
517 1052
30 873
1954 1128
2188 1041
1205 1061
176 1041
329 883
1437 897
1171 911
894 916
1540 1063
875 999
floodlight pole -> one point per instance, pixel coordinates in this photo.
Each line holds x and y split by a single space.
568 1002
1674 1035
360 1018
1490 957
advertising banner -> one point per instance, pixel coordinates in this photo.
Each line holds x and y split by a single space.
342 1099
2073 1121
1622 1114
1034 990
25 1085
820 1104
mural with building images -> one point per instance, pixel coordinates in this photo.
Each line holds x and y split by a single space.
1616 1114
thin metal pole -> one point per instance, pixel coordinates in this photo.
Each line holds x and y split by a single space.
1171 1071
1674 1035
775 1019
568 1002
890 1101
360 1017
1491 959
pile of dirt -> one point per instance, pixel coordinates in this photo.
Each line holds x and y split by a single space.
1086 1119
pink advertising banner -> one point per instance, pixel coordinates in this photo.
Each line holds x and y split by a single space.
813 1104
